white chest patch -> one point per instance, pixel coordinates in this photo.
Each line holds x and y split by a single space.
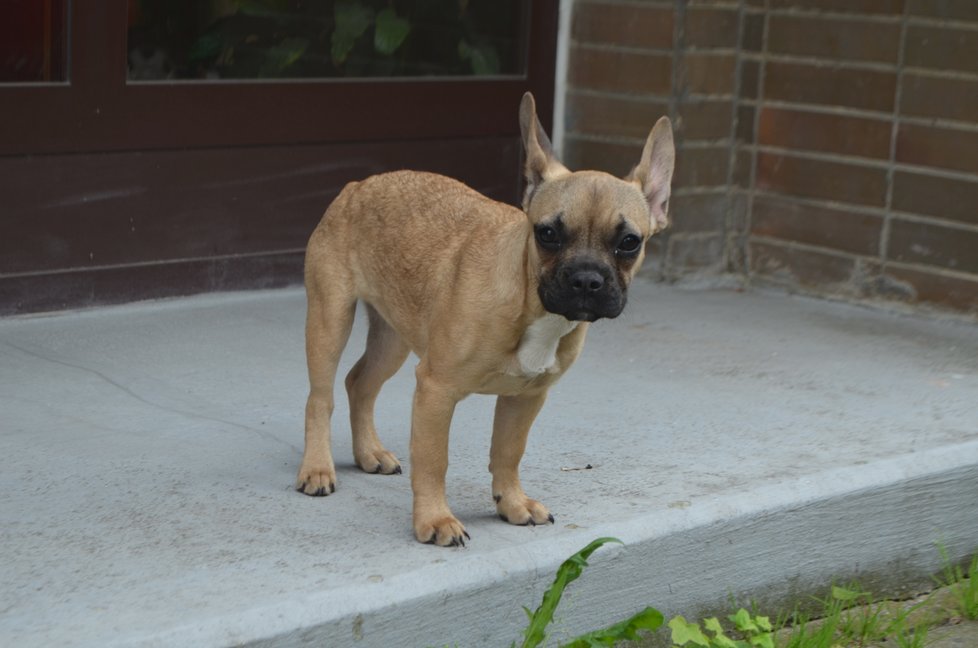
538 348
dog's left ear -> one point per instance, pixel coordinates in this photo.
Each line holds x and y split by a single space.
653 173
541 165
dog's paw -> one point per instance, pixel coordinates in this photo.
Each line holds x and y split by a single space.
522 511
444 531
378 462
316 481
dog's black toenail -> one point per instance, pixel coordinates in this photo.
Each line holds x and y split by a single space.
467 535
397 470
431 540
376 470
332 487
320 491
301 487
497 498
503 518
550 518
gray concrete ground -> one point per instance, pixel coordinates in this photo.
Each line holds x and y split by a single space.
962 635
740 444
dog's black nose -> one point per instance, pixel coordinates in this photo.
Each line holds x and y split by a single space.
585 281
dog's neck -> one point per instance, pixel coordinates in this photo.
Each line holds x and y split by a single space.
537 352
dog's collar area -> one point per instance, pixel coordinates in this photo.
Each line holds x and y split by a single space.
537 352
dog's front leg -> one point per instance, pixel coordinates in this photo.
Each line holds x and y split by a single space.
431 419
510 427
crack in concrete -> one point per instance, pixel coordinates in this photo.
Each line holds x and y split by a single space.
142 399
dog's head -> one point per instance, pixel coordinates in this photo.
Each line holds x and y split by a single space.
589 227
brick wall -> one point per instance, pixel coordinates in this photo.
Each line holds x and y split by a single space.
632 62
826 146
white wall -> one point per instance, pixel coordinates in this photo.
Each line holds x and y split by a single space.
560 75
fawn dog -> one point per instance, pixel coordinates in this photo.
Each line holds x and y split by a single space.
492 299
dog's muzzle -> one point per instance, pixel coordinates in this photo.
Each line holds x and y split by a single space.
583 291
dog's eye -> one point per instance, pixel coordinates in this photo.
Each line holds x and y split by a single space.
547 237
629 245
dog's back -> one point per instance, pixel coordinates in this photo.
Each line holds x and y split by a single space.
395 223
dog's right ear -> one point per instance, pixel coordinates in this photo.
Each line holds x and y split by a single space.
541 165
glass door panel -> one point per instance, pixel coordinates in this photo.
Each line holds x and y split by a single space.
325 39
33 38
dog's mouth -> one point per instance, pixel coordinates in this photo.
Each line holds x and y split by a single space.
587 315
582 316
577 309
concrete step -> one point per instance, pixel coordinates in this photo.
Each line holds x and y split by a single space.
739 443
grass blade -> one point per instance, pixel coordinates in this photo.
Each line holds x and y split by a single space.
568 572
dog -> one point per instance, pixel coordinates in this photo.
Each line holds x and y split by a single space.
492 299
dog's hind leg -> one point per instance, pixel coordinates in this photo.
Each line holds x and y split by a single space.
328 323
384 355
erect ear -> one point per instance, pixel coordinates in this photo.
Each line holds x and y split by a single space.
654 172
541 165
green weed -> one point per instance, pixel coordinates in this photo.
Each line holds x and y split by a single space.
911 638
963 586
848 617
536 632
752 630
860 621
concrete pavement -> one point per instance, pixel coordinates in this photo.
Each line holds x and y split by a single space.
739 443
